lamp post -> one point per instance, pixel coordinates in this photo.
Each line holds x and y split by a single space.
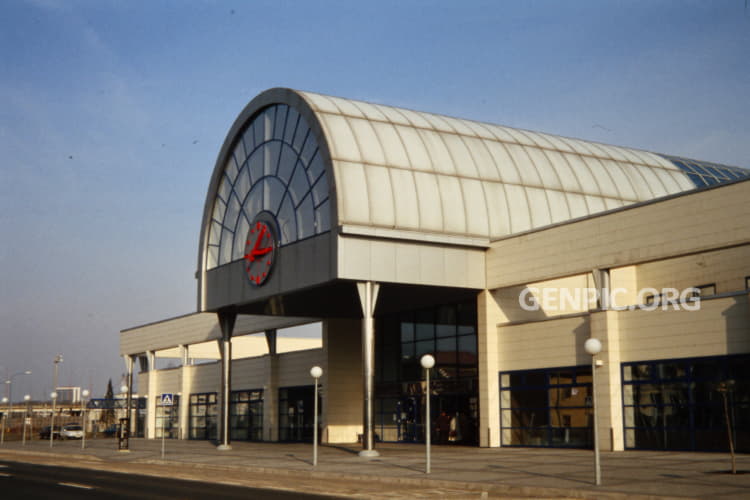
593 347
85 395
5 417
427 361
26 399
53 396
58 359
315 373
124 389
9 399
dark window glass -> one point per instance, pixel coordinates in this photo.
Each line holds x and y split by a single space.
468 344
550 407
697 180
425 327
680 406
446 322
296 413
710 180
707 290
246 415
407 331
202 418
168 419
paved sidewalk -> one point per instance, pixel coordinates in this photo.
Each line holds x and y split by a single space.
457 472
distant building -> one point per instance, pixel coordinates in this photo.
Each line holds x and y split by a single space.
499 251
67 395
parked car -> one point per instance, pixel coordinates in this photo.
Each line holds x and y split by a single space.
71 431
44 433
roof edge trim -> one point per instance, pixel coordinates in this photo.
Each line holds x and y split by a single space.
421 237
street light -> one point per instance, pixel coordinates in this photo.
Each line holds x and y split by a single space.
593 347
315 372
52 395
9 400
124 390
427 361
26 399
84 397
2 436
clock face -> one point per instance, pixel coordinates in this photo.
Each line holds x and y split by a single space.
260 250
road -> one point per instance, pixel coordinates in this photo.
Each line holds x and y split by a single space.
29 481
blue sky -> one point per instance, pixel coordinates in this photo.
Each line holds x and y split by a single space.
112 114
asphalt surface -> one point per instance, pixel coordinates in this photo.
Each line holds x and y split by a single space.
24 481
457 472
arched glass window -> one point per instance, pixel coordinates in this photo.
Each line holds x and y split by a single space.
275 167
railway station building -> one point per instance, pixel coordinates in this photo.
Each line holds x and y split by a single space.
498 251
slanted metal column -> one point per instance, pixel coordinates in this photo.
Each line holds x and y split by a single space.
271 389
271 341
226 322
368 296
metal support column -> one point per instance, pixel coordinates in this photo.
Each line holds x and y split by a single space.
368 296
226 322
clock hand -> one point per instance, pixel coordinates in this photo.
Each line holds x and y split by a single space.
258 251
261 251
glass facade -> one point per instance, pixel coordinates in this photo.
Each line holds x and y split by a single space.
296 413
275 167
549 407
246 415
448 333
203 421
168 419
704 174
679 405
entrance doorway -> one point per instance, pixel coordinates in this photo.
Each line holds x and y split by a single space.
448 332
453 418
296 413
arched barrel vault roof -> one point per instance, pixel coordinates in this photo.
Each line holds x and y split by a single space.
392 172
409 171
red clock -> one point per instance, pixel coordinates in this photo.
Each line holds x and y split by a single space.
260 250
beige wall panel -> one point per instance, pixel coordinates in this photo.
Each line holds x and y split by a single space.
195 329
700 221
720 327
206 378
414 263
294 367
727 268
624 285
342 381
141 380
563 296
250 373
185 330
169 380
557 342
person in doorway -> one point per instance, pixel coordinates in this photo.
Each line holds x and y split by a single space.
454 432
